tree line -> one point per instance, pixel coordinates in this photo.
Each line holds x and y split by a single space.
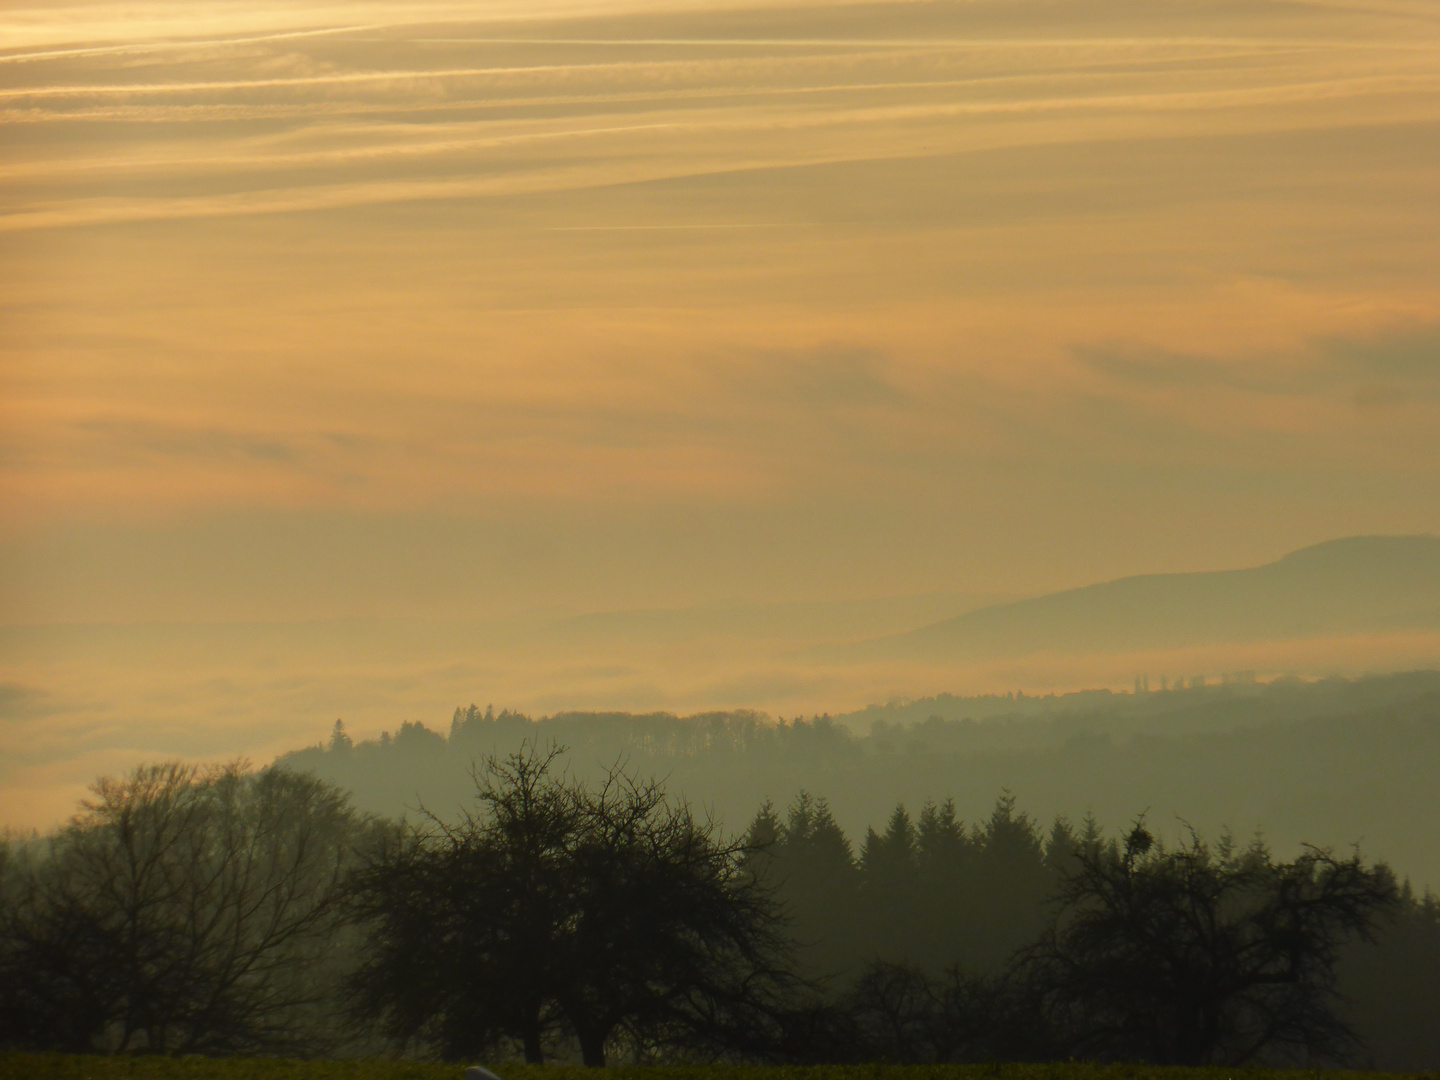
228 911
1218 756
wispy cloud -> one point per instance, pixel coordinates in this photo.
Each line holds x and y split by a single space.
621 165
827 377
119 438
1395 364
153 47
666 252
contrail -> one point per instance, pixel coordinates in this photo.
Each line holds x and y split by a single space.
192 43
673 228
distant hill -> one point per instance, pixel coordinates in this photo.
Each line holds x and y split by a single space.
1331 762
1354 585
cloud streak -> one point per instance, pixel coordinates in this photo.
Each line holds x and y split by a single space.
657 252
298 117
612 168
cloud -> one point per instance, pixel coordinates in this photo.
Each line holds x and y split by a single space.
145 48
149 438
18 702
1385 367
568 296
826 377
1409 357
823 93
1160 369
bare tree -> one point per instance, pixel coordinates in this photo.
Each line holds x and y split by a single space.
674 941
1196 956
556 908
192 910
462 921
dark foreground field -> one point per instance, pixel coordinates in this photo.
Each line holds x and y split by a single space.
71 1067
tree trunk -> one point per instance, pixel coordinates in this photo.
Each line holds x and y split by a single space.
534 1055
592 1049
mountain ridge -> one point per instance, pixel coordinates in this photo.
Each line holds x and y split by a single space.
1349 585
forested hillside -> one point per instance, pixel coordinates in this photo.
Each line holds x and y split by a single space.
1334 762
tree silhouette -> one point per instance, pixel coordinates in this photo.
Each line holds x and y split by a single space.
810 866
1192 956
672 939
464 921
558 907
186 910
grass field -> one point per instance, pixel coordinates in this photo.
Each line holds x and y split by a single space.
71 1067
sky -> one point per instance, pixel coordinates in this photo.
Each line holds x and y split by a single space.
358 314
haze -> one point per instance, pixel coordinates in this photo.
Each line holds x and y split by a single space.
367 359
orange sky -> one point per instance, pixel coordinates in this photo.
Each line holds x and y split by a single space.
338 309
